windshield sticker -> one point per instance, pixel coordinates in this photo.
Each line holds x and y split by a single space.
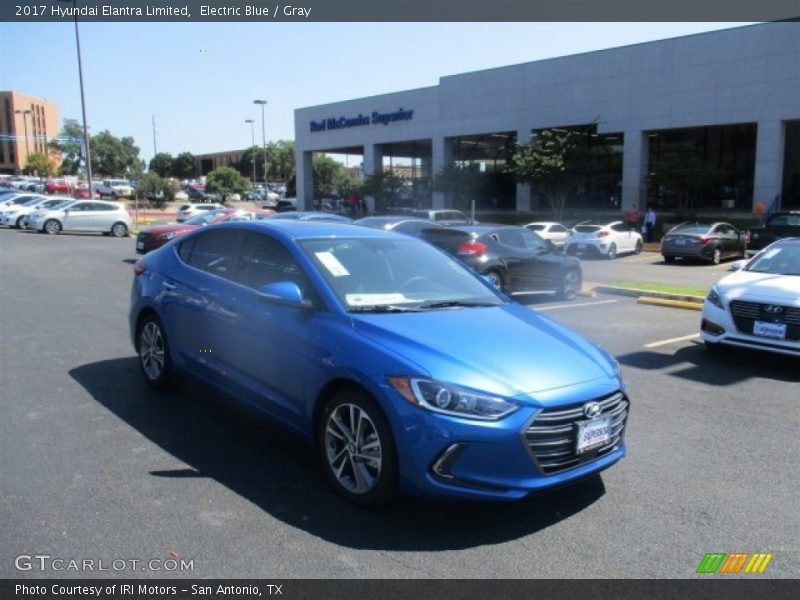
373 299
332 263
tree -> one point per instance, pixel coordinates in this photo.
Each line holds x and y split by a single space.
115 156
552 162
226 181
40 165
183 166
155 189
385 187
69 144
326 170
684 174
254 154
464 182
161 163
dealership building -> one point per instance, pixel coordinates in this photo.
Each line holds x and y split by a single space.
731 98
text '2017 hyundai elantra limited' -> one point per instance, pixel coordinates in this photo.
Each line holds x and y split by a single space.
407 370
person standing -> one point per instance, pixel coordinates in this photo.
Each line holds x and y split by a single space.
632 216
649 224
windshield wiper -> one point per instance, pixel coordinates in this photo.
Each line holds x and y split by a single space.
456 304
385 308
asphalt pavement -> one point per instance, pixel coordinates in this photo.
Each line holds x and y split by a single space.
95 465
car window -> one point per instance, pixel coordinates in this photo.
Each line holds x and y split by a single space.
531 240
214 252
785 220
511 238
264 260
536 227
101 206
79 206
558 228
621 227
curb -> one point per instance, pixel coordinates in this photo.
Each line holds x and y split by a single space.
670 303
637 293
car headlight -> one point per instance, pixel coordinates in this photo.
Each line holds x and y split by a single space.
451 399
715 298
167 236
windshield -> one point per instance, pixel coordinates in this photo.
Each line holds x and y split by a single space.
204 218
691 229
779 260
379 273
587 228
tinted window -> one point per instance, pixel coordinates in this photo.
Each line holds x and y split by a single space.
99 206
558 228
621 227
531 240
80 206
214 252
264 260
511 237
691 229
535 227
785 220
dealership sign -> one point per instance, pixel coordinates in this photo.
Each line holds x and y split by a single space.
377 118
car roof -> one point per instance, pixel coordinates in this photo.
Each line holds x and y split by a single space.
299 230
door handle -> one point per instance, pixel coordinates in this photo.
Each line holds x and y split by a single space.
167 285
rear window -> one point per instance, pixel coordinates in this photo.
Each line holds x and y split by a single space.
785 220
691 229
587 228
535 227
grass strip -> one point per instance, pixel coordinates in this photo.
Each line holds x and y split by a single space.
681 290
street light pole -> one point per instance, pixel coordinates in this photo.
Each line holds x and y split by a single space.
253 145
263 139
25 114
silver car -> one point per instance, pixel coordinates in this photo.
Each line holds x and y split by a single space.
83 215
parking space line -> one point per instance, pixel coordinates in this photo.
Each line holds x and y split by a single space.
576 305
672 340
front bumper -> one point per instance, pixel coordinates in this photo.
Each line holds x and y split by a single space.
452 457
718 327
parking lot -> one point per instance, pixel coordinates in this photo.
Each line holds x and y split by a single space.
97 465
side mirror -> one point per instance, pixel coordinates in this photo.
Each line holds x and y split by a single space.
737 265
284 293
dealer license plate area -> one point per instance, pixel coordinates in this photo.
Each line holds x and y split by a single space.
775 331
593 434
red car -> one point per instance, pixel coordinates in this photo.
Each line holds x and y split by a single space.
82 192
58 186
155 237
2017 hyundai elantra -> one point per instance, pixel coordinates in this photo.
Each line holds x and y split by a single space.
408 371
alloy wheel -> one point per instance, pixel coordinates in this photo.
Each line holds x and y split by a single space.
717 257
152 351
571 285
353 448
612 252
52 227
119 230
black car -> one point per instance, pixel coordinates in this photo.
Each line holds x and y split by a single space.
400 223
514 258
706 241
777 226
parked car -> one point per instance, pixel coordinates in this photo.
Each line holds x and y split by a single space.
776 226
82 191
515 259
115 188
757 307
310 215
14 215
604 239
34 215
187 211
555 232
399 223
59 186
408 371
16 199
197 194
712 242
154 237
108 218
447 216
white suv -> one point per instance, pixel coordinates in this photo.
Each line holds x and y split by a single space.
115 188
187 211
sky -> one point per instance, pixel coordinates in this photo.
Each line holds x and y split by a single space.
199 80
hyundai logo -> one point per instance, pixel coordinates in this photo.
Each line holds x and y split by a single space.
772 309
592 409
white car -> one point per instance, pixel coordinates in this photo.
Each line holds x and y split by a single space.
115 188
187 211
14 215
33 216
83 215
555 232
604 239
757 307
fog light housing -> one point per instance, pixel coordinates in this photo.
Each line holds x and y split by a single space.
441 468
711 328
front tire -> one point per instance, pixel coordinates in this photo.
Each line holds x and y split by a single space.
18 224
638 248
357 448
154 355
119 230
52 227
497 280
570 285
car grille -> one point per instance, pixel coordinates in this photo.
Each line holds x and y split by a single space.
552 436
143 237
746 313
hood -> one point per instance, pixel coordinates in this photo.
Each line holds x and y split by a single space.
507 350
769 287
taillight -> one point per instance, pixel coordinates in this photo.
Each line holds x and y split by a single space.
602 234
471 248
139 268
704 240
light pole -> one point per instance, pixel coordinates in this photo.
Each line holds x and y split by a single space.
263 139
25 114
253 145
83 102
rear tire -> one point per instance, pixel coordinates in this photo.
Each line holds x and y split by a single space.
638 248
152 346
119 230
612 252
669 259
716 257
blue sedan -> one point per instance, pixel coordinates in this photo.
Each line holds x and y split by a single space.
408 371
